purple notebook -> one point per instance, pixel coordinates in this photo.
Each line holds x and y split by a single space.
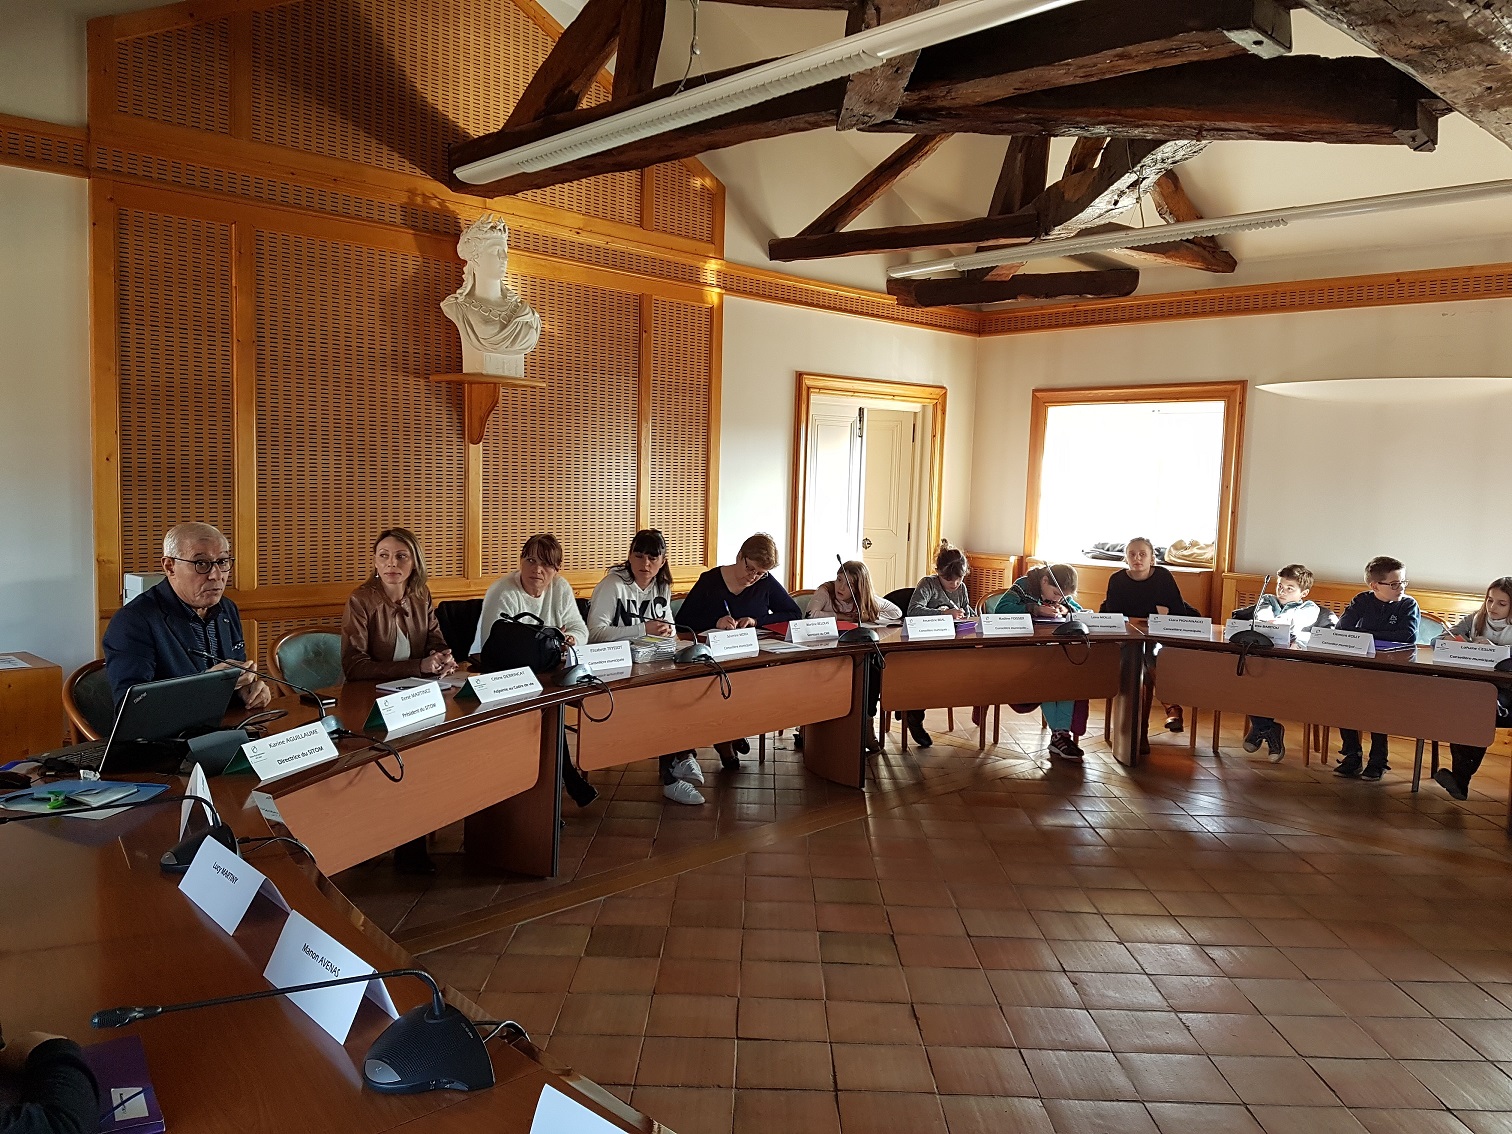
127 1100
1383 646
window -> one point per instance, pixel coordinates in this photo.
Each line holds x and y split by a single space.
1114 463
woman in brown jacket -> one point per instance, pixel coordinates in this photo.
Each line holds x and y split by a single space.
389 630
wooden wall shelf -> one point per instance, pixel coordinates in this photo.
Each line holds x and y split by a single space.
481 396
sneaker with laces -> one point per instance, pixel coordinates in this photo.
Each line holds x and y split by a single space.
1254 739
687 768
1275 740
1349 766
681 791
1063 747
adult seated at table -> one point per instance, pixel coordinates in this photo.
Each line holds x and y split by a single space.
184 625
389 631
735 596
54 1090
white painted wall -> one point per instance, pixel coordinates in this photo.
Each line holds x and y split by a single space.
47 553
765 347
1327 483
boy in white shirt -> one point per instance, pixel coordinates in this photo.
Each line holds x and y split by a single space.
1291 607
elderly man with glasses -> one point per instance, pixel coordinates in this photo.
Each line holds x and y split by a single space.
185 624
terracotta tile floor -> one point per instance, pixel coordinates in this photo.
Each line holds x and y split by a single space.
984 942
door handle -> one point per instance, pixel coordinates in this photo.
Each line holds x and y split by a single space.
865 543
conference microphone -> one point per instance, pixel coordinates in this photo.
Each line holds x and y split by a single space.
694 651
328 722
1251 640
176 860
429 1048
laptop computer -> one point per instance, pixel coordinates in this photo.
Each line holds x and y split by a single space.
151 718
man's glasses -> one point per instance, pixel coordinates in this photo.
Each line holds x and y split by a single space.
1397 586
205 566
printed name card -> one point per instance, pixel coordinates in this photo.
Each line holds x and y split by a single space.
224 885
1350 643
305 953
408 708
274 757
1181 626
198 787
806 630
1099 623
557 1113
924 627
1007 626
606 657
1472 655
733 643
1278 632
500 686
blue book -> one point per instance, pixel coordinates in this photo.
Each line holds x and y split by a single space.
1384 647
127 1100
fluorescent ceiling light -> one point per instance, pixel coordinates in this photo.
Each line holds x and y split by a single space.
1215 226
853 53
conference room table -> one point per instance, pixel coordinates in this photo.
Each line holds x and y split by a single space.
91 923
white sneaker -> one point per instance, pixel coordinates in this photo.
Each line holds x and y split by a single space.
687 768
683 792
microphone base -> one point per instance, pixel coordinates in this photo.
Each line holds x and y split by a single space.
420 1052
574 675
695 652
177 860
858 635
1252 639
1072 629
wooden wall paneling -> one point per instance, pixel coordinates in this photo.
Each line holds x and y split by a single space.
44 146
181 76
645 379
104 384
714 426
677 447
244 394
240 77
269 630
1240 589
989 573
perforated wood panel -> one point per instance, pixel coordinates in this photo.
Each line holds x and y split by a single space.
42 145
352 436
679 454
681 203
182 77
174 328
563 459
989 573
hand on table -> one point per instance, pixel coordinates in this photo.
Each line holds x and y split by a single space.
438 664
726 623
662 629
1162 610
253 691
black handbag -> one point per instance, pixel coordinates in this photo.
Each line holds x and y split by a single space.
522 640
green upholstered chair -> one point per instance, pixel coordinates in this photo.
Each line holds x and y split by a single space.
989 604
803 599
311 658
88 701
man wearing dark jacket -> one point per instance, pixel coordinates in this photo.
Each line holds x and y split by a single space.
184 624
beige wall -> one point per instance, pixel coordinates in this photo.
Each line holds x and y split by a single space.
1330 483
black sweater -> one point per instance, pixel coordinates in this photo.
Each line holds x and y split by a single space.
58 1093
765 600
1389 621
1137 598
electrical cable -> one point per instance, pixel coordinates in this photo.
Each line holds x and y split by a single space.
258 842
374 742
603 687
693 50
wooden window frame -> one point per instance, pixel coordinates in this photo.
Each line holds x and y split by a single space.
1231 394
810 386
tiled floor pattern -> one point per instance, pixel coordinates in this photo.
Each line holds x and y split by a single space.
1213 945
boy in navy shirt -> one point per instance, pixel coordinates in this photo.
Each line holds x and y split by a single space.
1386 612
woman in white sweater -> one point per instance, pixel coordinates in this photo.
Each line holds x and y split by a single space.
1492 624
536 588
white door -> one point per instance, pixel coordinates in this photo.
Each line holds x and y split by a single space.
832 504
888 477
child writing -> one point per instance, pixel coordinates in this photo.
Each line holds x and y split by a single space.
1491 623
1387 612
1047 592
944 592
1291 607
850 598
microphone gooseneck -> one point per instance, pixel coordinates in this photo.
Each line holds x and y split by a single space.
328 722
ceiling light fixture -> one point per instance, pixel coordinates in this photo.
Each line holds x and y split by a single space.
853 53
1215 226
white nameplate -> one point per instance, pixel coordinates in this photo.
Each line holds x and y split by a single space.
1007 626
1181 626
267 808
733 643
408 708
557 1113
199 786
924 627
1351 643
223 885
606 657
1473 655
1096 622
1278 632
805 630
274 757
305 953
501 685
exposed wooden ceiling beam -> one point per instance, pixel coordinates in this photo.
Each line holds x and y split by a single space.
1174 253
873 96
1124 173
1084 154
1294 99
1103 284
1459 49
1175 207
860 196
1096 39
572 63
640 39
1017 228
1026 167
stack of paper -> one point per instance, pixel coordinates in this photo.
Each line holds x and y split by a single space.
653 647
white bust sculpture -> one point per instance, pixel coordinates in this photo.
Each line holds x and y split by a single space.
498 328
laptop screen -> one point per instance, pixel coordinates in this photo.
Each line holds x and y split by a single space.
162 710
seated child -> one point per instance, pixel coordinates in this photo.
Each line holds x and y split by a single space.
1491 623
1386 612
1140 590
944 592
1289 605
1046 592
850 598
